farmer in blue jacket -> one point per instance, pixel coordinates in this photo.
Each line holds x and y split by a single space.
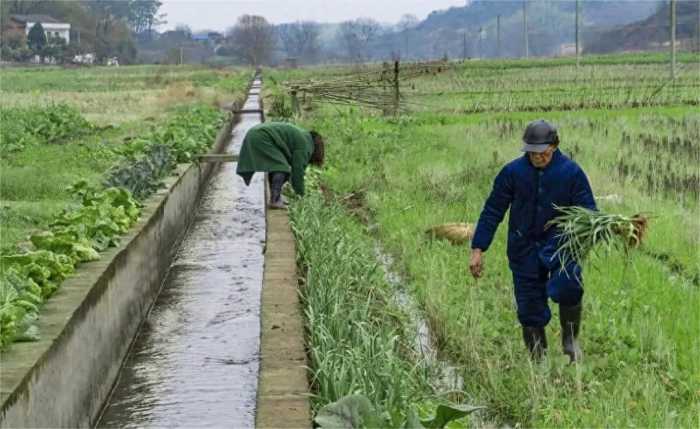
531 186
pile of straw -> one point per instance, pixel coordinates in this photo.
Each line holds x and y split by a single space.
455 233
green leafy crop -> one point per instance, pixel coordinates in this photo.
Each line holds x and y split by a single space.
150 157
27 279
28 126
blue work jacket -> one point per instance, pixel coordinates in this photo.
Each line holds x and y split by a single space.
531 194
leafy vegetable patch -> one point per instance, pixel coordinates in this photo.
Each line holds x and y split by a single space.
77 235
22 127
148 158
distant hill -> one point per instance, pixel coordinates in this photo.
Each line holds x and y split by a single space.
550 24
651 33
594 12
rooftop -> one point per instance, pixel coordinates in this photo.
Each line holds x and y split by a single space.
33 18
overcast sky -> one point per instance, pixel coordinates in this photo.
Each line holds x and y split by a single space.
222 14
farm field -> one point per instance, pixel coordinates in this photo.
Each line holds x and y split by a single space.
110 96
79 149
388 179
98 110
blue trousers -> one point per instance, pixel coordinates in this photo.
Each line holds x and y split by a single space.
532 292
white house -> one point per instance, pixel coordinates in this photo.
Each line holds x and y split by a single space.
52 27
567 49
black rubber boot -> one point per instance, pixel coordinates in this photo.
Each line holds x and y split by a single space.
535 340
276 180
570 319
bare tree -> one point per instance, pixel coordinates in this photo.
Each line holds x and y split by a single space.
300 39
24 6
185 30
407 22
252 38
144 17
348 38
356 35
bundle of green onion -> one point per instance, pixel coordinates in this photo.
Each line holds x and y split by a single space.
581 230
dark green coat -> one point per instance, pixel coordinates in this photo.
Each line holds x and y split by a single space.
279 147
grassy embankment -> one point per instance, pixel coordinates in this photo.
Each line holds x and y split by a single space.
437 165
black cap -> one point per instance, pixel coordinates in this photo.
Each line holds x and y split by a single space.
538 135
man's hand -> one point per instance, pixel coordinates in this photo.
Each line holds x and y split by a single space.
476 264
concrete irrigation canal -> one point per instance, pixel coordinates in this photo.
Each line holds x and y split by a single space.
216 341
195 361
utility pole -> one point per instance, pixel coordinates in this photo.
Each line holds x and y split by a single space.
464 45
181 55
698 28
578 34
406 41
481 51
526 48
498 36
673 39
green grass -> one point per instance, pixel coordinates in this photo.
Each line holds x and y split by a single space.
640 314
109 79
111 96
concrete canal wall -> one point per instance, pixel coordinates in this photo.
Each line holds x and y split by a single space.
283 387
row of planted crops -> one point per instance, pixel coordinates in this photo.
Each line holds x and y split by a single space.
71 187
541 87
388 179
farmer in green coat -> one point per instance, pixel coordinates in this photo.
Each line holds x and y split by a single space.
283 151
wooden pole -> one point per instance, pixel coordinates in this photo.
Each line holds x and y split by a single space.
396 88
578 34
673 39
498 36
526 47
224 157
386 80
295 100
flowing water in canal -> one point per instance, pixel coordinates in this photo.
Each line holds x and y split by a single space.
195 360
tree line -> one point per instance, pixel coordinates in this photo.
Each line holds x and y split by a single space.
122 28
106 28
118 28
257 41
